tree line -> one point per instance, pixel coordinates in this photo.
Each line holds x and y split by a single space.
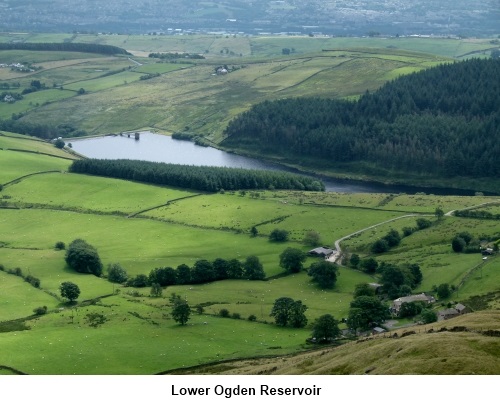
204 178
64 47
443 121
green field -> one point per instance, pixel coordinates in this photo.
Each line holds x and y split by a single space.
143 227
17 164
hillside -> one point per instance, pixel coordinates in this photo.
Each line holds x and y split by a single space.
442 122
461 346
146 228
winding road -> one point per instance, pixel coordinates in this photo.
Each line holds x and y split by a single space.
338 251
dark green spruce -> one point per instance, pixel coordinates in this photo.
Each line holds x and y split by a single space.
443 121
202 178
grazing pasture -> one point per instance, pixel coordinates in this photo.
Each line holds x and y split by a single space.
143 227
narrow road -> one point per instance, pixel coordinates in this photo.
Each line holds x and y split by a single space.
336 256
333 258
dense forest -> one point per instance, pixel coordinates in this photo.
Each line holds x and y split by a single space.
202 178
64 47
443 121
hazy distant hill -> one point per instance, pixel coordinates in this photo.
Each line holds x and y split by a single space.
403 17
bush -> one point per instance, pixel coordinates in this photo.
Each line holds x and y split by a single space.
407 231
60 245
139 281
224 313
83 258
35 282
380 246
252 318
443 291
278 235
40 310
423 223
116 273
236 315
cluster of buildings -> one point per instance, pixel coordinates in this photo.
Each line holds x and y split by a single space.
17 66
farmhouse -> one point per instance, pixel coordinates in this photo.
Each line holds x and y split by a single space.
396 304
462 309
447 314
321 251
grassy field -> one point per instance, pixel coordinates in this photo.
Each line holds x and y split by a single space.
169 229
17 164
193 98
14 141
421 353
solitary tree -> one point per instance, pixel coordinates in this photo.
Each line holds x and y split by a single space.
83 257
180 309
292 260
324 273
287 312
69 291
325 328
312 238
439 213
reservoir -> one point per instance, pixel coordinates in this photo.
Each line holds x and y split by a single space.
160 148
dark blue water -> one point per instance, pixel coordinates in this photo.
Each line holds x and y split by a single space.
160 148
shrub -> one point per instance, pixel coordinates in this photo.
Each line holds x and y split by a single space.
83 258
116 273
278 235
224 313
35 282
443 291
380 246
139 281
407 231
252 318
236 315
60 245
423 223
40 310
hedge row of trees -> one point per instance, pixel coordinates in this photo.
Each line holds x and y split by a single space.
34 281
444 121
393 238
202 178
64 47
203 271
481 214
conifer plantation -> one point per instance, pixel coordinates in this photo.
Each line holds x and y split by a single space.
443 121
